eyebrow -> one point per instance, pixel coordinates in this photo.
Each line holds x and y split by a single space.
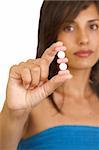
73 22
93 20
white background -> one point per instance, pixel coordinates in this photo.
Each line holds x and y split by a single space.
18 36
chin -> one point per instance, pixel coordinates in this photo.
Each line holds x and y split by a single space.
82 65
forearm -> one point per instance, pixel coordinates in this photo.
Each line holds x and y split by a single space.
11 128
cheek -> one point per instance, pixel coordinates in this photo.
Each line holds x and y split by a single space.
75 62
97 53
97 49
81 63
68 40
95 45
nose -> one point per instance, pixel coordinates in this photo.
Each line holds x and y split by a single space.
83 38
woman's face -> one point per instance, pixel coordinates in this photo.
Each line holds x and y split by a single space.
82 35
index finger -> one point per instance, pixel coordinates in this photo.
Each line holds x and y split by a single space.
50 52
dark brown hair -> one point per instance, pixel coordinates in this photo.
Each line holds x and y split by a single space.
53 14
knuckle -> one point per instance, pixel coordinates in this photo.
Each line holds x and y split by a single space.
30 60
21 63
44 61
43 92
53 46
12 68
54 81
46 90
33 61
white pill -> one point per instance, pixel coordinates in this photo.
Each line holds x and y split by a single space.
63 66
61 54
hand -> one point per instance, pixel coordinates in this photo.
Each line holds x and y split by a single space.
28 82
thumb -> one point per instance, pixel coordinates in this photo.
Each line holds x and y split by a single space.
55 82
43 91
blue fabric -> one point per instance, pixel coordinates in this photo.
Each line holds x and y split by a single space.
63 137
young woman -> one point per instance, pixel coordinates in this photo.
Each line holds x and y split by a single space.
48 108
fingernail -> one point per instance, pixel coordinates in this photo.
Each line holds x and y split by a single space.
69 76
26 86
60 42
63 60
61 72
31 88
60 48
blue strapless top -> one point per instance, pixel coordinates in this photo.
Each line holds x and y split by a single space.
63 137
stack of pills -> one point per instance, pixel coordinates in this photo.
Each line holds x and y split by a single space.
61 55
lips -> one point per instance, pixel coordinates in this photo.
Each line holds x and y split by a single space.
83 53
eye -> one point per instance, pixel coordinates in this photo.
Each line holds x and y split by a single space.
69 28
94 27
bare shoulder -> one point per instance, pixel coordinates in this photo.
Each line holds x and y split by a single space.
40 118
45 115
